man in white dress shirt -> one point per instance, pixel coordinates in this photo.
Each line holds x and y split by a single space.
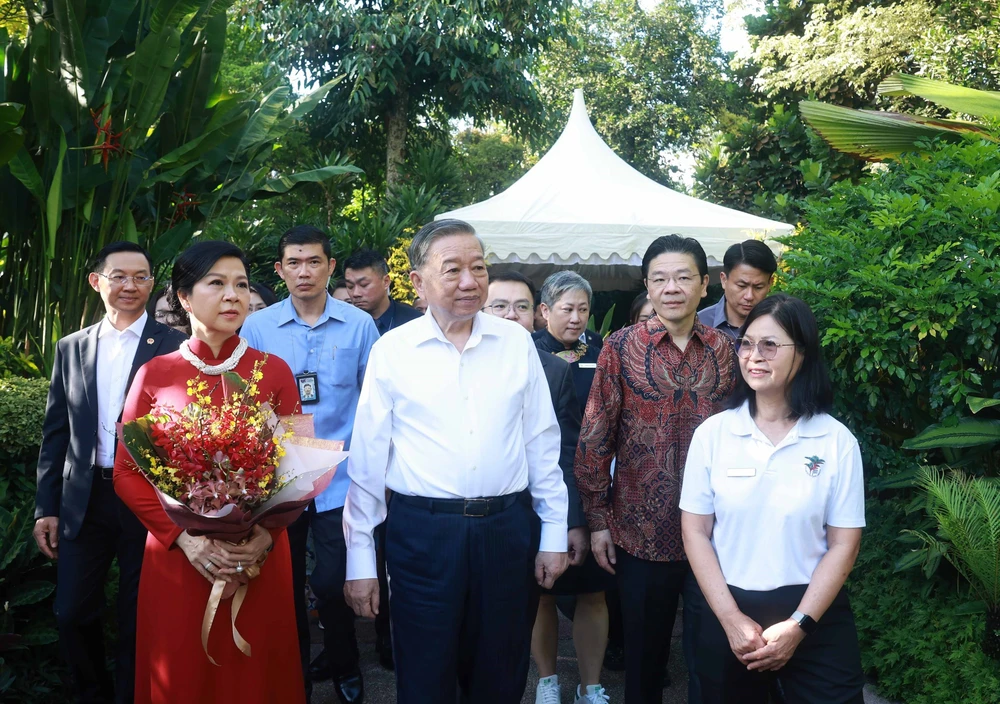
455 417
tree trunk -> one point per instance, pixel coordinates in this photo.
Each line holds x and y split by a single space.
395 137
991 638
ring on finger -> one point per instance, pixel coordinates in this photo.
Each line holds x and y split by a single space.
209 565
239 566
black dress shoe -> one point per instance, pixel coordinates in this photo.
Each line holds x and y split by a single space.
319 669
350 689
383 646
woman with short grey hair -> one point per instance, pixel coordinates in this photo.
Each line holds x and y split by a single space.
566 301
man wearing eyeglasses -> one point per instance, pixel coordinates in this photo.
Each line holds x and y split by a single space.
79 520
655 383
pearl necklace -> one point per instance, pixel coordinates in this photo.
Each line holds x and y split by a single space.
214 369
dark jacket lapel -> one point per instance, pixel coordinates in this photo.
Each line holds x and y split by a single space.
153 335
88 358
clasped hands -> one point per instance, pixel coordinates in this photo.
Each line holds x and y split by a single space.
762 649
232 562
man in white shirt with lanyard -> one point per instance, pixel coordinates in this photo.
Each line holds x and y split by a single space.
457 443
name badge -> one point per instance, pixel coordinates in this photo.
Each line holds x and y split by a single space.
588 365
308 383
741 472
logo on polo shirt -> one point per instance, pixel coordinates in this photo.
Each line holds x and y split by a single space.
813 465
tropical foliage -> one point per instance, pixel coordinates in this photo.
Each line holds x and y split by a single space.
881 135
128 134
413 62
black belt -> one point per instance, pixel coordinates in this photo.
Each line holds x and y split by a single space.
478 508
104 472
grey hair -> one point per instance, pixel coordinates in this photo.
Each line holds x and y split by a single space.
562 282
421 244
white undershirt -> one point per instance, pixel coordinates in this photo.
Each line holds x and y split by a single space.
115 354
436 422
772 504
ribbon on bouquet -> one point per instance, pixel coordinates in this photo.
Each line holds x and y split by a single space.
212 608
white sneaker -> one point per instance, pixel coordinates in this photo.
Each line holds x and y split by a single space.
595 695
548 691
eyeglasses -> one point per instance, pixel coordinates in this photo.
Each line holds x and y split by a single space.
521 308
767 348
119 280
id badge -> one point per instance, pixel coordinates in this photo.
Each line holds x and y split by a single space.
308 384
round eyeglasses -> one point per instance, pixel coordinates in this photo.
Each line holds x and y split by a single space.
768 349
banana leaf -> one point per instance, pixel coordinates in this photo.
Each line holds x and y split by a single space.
285 184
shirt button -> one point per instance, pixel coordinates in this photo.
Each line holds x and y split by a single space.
471 432
312 350
473 469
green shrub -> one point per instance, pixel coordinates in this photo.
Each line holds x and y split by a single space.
22 411
901 272
30 666
914 643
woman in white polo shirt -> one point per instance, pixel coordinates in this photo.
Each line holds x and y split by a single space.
772 510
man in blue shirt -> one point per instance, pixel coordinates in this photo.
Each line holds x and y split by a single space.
326 343
747 274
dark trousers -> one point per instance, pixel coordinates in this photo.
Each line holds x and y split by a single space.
327 581
649 595
825 669
462 588
382 627
109 530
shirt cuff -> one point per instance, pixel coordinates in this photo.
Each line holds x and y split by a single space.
553 538
361 564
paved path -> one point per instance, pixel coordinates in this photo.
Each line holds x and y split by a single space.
380 684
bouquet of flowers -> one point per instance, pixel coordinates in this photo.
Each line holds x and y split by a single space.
220 469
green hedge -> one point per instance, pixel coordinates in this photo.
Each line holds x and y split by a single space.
31 669
914 644
901 271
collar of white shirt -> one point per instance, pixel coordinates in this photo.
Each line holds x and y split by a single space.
135 328
426 328
813 427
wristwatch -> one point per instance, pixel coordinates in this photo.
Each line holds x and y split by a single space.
806 622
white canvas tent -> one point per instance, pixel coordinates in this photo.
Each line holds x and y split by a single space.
583 206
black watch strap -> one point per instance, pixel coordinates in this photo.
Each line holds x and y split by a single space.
805 621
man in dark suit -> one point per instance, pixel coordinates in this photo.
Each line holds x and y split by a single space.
367 275
512 296
79 519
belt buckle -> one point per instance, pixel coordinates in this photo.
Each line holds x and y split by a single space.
476 508
107 473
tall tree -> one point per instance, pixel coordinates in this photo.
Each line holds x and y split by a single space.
653 79
417 61
838 51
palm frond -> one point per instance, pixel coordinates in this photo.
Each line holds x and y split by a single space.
968 514
980 103
875 136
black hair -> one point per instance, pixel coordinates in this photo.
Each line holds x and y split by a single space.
101 258
752 253
810 391
304 234
265 292
516 277
337 283
175 317
194 263
367 259
640 300
668 244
